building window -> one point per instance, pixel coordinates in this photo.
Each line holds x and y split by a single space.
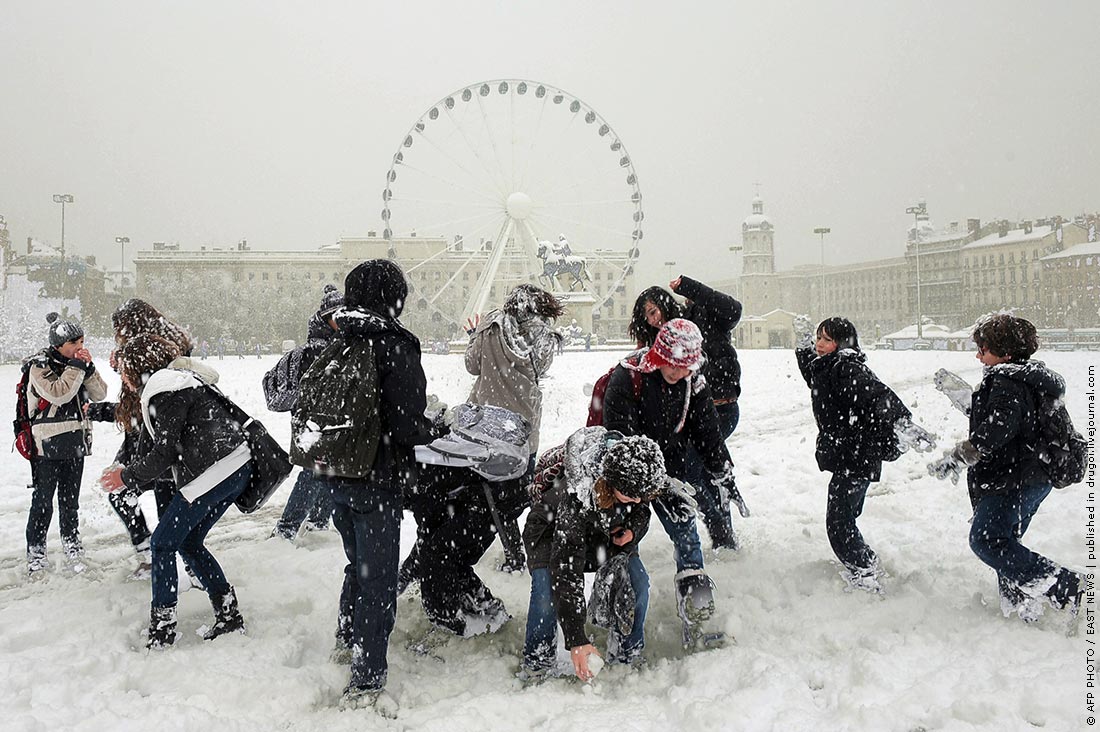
308 277
251 276
264 276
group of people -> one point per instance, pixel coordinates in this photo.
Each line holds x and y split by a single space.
371 444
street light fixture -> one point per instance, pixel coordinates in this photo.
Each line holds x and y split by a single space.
921 209
670 265
123 240
822 231
62 198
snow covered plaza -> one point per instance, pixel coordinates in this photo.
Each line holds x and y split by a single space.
933 654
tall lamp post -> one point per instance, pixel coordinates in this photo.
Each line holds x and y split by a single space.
670 265
62 198
123 240
921 209
822 231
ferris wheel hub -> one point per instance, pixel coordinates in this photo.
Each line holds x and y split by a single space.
519 205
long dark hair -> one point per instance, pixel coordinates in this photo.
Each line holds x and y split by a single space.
840 330
526 300
142 356
640 330
135 317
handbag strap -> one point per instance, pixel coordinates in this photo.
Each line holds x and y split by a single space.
238 414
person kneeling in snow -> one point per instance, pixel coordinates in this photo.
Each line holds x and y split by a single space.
860 423
1005 472
589 512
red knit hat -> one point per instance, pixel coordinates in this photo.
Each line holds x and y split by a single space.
679 343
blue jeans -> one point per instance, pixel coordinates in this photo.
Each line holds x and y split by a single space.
50 477
368 518
309 498
687 550
183 528
539 647
846 496
1000 521
716 515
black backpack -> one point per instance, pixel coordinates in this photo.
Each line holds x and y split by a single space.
1062 450
281 382
335 428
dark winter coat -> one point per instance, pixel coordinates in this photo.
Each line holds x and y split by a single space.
658 413
281 382
401 394
191 430
566 533
1004 427
716 314
855 412
61 431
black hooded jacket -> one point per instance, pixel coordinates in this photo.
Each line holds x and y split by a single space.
716 314
855 412
371 288
1004 427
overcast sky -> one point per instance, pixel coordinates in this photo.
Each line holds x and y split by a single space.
206 122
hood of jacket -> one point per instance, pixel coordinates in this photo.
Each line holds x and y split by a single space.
1034 374
377 285
361 322
585 450
524 337
163 381
207 374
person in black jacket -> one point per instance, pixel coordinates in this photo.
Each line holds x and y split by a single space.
589 510
856 417
662 398
1006 477
308 506
716 314
367 509
194 437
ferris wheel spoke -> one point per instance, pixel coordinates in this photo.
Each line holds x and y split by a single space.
608 202
625 234
473 149
438 201
448 156
531 147
435 226
493 144
447 181
480 295
573 185
561 135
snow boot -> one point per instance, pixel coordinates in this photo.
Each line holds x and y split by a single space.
162 627
379 700
866 579
74 557
37 562
695 605
1015 600
227 616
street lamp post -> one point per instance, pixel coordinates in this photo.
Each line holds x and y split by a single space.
822 231
921 209
62 198
123 240
670 265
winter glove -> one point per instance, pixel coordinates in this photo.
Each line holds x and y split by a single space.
954 461
678 499
727 490
803 332
913 436
955 388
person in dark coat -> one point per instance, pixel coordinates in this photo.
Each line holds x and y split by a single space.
367 510
308 506
195 437
589 509
856 416
61 381
663 398
716 314
1006 478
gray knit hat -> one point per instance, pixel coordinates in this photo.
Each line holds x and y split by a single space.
62 331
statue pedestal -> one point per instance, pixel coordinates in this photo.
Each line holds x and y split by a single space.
578 306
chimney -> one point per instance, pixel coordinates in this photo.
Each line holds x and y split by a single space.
974 226
1027 227
954 227
1002 227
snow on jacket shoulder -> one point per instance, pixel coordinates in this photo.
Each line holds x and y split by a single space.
61 431
190 429
1004 426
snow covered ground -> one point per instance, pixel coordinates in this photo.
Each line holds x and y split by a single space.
933 654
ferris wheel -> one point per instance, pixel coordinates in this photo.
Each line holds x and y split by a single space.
525 183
